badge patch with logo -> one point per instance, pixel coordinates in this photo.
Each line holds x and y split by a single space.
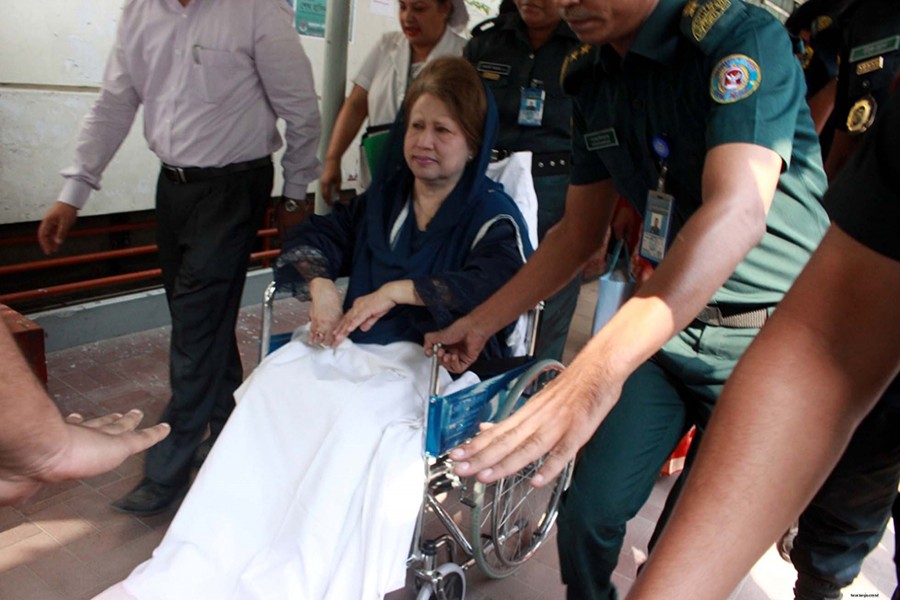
862 115
734 78
598 140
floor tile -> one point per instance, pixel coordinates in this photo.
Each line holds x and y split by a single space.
66 574
26 551
62 523
22 583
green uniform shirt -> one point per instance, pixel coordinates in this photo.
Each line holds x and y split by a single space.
722 72
502 53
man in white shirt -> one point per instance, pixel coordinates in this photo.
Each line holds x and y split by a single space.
212 77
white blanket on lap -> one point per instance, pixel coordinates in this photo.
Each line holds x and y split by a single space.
313 488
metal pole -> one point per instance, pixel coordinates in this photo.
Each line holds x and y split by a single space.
337 37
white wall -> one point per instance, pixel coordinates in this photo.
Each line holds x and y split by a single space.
52 55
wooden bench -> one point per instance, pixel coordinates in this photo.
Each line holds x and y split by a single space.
30 338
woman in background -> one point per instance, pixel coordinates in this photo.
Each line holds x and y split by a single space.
430 29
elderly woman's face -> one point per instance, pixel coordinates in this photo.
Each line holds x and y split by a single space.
423 21
435 146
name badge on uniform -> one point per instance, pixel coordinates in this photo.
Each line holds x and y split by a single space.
879 47
531 107
598 140
657 219
492 71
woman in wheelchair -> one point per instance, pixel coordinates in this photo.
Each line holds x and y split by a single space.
312 489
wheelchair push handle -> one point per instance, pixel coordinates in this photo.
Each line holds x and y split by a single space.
435 369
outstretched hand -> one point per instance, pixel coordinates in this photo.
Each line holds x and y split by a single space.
86 448
556 422
460 345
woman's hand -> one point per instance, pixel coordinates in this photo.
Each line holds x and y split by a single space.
325 313
366 310
330 180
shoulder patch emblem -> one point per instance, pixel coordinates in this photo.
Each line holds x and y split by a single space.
734 78
705 16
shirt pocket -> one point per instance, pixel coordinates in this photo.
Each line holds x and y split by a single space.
218 73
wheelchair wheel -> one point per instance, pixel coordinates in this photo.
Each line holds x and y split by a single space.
511 519
452 584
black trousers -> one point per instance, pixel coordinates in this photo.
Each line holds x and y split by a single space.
205 233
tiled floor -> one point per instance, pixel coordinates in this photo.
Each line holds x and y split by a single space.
66 543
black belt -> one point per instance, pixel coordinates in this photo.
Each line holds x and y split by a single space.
734 316
542 165
192 174
551 163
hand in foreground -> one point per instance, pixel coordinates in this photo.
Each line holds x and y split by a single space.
557 421
325 313
366 311
86 448
55 226
461 343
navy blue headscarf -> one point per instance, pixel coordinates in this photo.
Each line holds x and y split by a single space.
357 241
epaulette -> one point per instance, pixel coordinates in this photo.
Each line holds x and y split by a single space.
484 26
576 65
708 22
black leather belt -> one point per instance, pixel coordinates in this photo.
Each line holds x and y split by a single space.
551 163
734 316
192 174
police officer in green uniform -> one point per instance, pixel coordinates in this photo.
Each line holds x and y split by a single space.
695 112
519 55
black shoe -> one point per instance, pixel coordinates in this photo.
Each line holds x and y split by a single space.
149 498
202 452
785 543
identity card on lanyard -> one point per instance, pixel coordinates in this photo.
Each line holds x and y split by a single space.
531 104
658 213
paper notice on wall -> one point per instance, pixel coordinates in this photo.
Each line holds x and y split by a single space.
384 8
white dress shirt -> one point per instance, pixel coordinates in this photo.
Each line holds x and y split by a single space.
213 76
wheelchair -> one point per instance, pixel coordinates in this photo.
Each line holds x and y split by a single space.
507 520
